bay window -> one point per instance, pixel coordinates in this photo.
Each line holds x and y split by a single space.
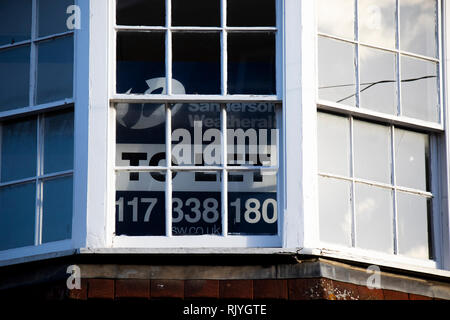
36 124
197 123
379 125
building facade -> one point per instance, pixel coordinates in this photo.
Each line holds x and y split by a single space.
308 149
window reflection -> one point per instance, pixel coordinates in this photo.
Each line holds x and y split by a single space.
377 22
333 144
337 17
420 89
251 63
196 13
140 12
58 142
412 156
249 13
14 77
57 209
18 149
413 225
140 57
17 216
374 216
335 211
418 26
52 16
196 61
55 70
372 151
378 88
15 21
337 75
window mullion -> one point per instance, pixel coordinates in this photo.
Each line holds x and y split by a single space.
398 60
33 54
353 182
224 48
224 160
168 186
168 47
394 183
39 168
358 60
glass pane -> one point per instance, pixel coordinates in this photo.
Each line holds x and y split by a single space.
374 218
200 13
53 16
252 203
412 159
196 203
248 13
140 204
377 22
196 136
58 142
413 225
378 89
335 211
252 134
372 151
19 153
420 89
196 61
140 62
141 12
333 144
57 209
17 216
337 17
55 70
14 78
15 21
337 75
140 135
251 63
418 27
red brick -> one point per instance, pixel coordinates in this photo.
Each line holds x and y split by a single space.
394 295
418 297
201 289
236 289
100 289
270 289
167 289
370 294
79 294
132 288
336 290
305 289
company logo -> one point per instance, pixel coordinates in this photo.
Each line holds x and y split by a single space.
149 118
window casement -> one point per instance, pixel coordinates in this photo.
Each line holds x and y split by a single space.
198 84
36 127
380 128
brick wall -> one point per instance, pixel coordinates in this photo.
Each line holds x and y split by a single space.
270 289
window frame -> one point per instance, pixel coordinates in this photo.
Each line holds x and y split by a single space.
438 153
188 241
61 247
